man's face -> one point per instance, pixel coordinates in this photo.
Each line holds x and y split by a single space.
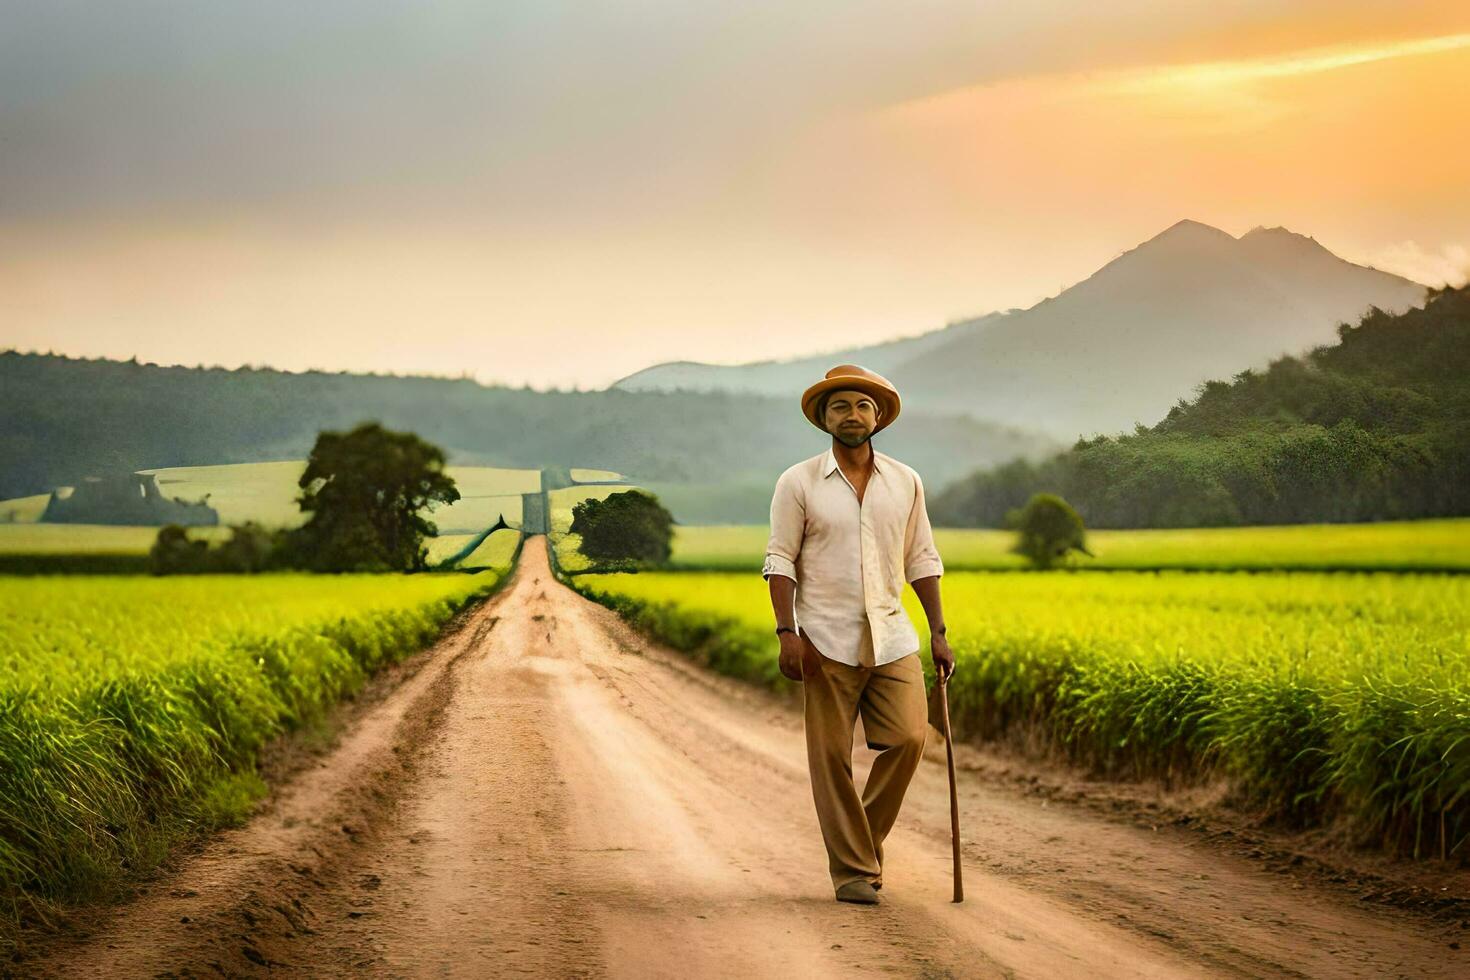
851 416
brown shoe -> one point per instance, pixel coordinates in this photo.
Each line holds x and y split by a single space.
859 891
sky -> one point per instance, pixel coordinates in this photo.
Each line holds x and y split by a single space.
558 194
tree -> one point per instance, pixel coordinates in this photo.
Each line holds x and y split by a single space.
1047 529
365 491
250 548
625 529
174 553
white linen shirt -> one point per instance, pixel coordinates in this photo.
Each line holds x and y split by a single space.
850 560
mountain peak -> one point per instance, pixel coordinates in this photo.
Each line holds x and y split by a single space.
1191 224
1188 226
1189 231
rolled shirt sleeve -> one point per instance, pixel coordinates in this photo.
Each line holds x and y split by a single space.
921 557
788 522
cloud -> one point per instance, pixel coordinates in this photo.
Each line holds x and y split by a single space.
1213 74
1449 264
618 180
546 112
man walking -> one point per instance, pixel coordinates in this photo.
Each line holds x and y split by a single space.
848 528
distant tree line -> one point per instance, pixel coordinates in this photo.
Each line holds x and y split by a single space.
63 419
1373 427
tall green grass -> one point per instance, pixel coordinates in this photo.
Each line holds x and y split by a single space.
132 709
1323 698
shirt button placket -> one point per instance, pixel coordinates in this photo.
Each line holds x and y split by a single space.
870 568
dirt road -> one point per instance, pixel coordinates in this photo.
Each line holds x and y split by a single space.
547 794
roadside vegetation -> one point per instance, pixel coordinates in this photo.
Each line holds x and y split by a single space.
1324 698
132 708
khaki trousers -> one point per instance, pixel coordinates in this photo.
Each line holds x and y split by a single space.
894 708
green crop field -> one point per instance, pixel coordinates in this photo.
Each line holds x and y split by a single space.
23 510
446 546
132 708
1321 696
496 551
265 492
262 492
1427 545
472 552
114 549
92 539
104 548
240 492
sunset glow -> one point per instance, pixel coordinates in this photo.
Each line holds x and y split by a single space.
630 189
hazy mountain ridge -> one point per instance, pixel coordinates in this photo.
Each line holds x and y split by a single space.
1369 428
1120 347
789 378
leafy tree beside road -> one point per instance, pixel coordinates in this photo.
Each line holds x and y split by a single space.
624 530
365 491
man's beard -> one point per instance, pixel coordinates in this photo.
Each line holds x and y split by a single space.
852 438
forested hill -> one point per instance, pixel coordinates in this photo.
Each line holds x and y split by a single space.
62 419
1374 427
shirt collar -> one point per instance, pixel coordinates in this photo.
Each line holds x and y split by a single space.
830 463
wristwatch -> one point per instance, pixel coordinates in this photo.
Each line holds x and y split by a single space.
784 629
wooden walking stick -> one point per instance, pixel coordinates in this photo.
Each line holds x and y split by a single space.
954 800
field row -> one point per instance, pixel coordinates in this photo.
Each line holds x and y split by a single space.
1429 545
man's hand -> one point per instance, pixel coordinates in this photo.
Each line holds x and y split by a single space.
943 657
793 657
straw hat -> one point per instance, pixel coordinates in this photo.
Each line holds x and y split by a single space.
853 377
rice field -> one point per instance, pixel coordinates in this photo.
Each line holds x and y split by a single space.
120 549
1321 697
1428 545
132 708
495 551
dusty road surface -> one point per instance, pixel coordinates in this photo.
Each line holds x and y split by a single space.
546 794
